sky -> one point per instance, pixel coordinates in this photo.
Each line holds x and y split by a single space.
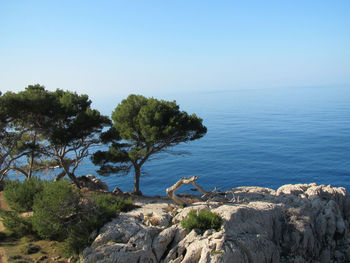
109 49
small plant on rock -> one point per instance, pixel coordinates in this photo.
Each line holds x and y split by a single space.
150 219
202 221
214 252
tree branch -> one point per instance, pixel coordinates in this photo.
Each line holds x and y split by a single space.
189 180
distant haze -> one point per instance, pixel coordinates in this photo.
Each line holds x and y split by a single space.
109 49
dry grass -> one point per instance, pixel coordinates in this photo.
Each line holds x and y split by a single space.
154 221
12 249
49 250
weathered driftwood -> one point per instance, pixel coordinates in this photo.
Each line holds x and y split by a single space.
189 180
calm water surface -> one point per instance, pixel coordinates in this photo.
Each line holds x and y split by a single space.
265 137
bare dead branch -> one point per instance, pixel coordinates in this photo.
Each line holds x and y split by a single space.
189 180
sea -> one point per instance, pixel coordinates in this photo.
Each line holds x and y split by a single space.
264 137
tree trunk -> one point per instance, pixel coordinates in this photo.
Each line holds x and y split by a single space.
67 172
31 165
137 180
3 173
74 179
60 175
32 156
189 180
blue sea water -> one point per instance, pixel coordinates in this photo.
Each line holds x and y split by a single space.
262 137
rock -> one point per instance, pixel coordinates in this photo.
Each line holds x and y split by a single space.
296 223
162 241
130 237
290 189
117 191
208 233
93 235
92 183
325 256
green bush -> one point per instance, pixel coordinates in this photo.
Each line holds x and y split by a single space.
61 213
20 195
102 209
78 237
109 206
19 226
201 221
55 210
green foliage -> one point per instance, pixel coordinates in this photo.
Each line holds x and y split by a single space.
144 127
216 252
30 113
103 208
18 225
9 138
51 125
74 119
109 205
78 236
55 210
150 121
20 195
202 220
61 213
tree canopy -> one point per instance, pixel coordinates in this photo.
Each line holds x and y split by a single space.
57 128
28 113
141 128
9 139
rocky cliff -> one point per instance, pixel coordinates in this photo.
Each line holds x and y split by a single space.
296 223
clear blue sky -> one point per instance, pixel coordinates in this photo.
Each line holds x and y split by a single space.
113 48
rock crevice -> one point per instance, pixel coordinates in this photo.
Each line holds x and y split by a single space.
296 223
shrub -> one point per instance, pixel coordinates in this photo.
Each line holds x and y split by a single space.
78 237
201 221
94 215
55 210
109 206
60 213
20 195
19 226
28 238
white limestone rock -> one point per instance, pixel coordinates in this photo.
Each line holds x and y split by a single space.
296 223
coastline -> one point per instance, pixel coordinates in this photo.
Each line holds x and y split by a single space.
296 223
